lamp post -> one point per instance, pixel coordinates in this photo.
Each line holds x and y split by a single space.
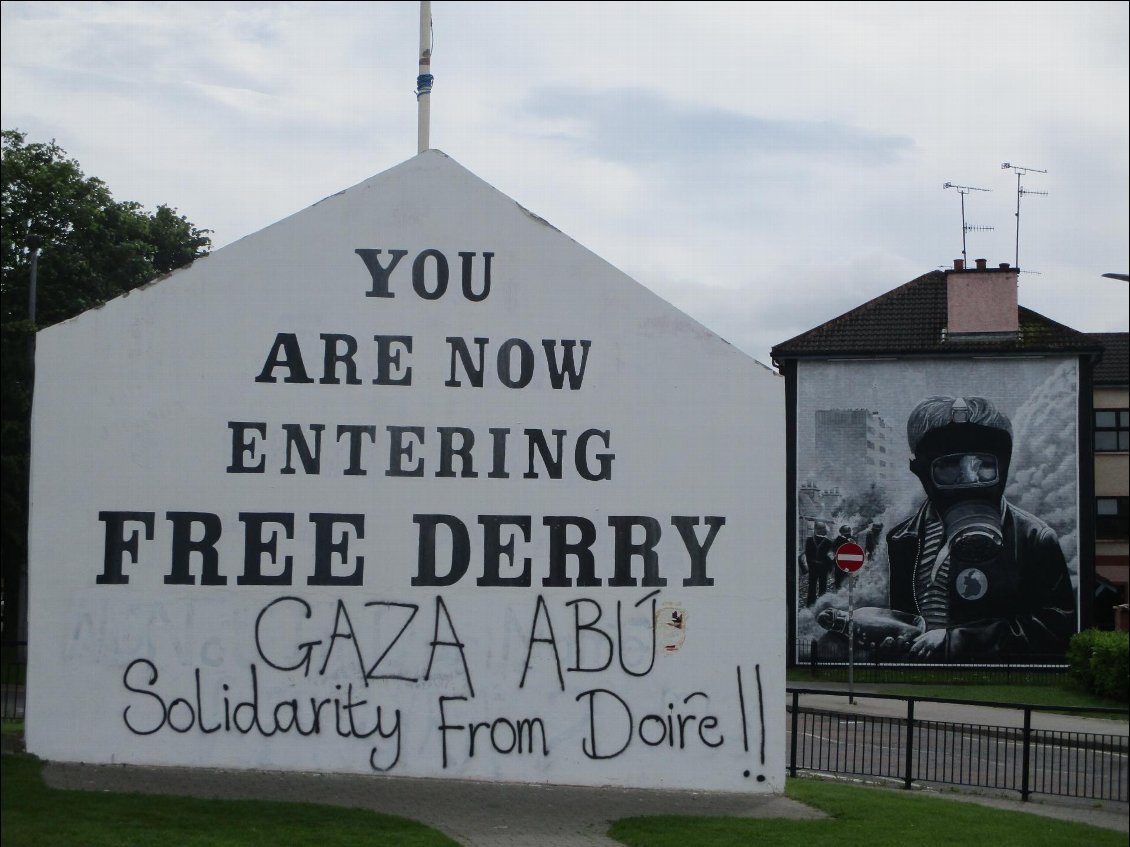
34 244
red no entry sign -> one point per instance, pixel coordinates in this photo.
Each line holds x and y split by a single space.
849 557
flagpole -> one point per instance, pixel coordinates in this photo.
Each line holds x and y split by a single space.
424 79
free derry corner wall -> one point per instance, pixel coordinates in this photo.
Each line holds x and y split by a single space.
408 483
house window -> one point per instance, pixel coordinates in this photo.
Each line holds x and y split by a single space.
1112 517
1112 430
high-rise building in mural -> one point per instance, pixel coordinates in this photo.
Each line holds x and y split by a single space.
853 447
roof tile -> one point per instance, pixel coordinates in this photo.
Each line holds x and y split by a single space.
1114 369
911 320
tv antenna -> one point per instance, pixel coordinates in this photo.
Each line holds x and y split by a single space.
1020 192
963 190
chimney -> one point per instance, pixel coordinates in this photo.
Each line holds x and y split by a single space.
981 301
959 264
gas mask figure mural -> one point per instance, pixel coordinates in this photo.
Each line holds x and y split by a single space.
983 575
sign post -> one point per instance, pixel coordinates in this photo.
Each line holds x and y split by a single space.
849 559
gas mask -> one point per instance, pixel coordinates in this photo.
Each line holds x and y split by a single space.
963 468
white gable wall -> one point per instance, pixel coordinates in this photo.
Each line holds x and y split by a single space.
134 413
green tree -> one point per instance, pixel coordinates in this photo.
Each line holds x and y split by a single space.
92 249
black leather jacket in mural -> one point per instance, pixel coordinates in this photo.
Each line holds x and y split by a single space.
1026 605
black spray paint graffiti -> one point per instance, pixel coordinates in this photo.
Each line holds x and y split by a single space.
299 715
369 706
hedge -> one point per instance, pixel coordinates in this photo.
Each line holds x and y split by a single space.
1100 662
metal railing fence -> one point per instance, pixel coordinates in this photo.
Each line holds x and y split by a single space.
13 675
909 749
829 661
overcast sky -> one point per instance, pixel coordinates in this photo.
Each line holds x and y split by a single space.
764 167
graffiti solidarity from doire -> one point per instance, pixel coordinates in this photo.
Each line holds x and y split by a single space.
342 666
363 703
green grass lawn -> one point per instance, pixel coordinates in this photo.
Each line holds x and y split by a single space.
38 816
867 817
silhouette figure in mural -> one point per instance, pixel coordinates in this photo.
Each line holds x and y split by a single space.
817 558
845 535
871 540
984 576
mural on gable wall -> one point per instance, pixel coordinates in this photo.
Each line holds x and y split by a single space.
410 483
960 481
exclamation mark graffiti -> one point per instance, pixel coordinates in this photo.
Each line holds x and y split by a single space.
761 717
745 720
741 702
